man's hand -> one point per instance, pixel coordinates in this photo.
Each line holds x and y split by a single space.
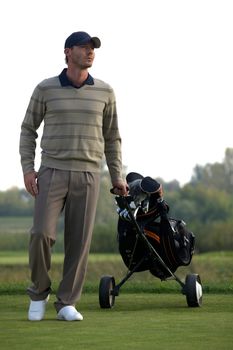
120 188
30 183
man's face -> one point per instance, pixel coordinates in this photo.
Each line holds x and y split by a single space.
81 56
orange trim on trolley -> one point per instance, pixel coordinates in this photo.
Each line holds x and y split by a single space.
152 235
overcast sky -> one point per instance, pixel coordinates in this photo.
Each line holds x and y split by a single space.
169 62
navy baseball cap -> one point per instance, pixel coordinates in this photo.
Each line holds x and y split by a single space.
81 38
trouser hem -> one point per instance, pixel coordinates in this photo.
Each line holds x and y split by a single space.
35 296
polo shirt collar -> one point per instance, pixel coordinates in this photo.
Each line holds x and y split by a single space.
64 80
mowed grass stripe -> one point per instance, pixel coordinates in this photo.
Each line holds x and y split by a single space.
21 258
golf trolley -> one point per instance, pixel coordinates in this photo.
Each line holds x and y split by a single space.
150 240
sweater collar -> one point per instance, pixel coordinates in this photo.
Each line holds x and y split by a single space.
64 80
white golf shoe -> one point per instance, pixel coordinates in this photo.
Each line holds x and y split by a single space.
69 313
36 310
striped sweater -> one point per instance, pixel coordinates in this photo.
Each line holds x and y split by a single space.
80 126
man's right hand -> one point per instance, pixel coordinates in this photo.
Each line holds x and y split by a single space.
31 183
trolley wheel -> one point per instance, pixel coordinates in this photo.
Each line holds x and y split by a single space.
193 290
106 298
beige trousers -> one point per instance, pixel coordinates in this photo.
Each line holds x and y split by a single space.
76 193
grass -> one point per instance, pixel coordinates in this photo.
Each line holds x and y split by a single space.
21 258
137 321
148 314
215 270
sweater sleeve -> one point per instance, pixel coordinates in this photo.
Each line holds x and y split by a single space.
112 139
32 120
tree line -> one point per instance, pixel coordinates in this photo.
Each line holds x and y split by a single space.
205 204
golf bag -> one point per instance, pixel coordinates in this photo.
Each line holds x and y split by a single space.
169 237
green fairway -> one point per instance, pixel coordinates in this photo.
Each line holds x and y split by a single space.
138 321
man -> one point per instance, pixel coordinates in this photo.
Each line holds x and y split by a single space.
80 126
